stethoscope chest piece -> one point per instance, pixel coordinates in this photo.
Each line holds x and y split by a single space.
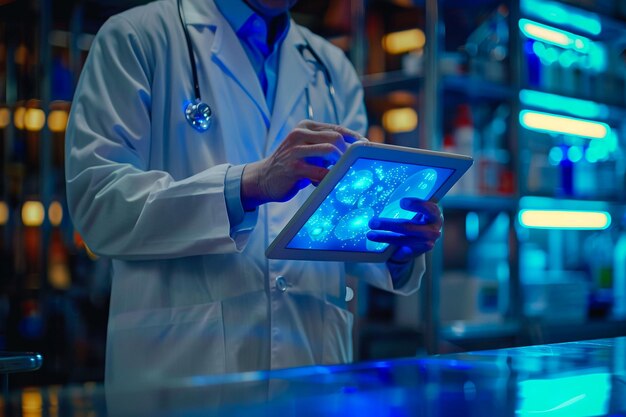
199 115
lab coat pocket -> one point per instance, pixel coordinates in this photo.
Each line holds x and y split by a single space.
152 345
338 335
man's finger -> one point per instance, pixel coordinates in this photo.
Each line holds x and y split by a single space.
310 137
311 172
430 210
349 135
397 238
405 226
319 152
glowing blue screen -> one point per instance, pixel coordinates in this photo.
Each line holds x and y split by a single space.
369 188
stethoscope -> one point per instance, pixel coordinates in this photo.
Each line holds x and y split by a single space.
199 114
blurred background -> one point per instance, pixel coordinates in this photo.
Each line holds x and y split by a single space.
534 244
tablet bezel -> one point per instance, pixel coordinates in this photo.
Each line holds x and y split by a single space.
383 152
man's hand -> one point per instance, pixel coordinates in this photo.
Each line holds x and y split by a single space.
301 159
412 237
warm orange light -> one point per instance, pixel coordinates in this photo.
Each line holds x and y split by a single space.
376 134
404 41
55 213
18 117
59 275
57 121
32 402
34 119
32 213
5 117
400 120
21 55
4 213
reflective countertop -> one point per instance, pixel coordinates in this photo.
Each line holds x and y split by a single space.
569 379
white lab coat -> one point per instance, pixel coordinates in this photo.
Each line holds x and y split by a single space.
147 190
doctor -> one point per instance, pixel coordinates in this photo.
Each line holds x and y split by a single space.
183 167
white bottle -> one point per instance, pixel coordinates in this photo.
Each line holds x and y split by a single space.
464 140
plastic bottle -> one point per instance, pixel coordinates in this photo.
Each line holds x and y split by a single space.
464 141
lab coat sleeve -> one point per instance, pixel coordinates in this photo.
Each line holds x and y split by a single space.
378 275
353 114
121 208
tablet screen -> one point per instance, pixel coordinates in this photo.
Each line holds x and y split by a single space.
369 188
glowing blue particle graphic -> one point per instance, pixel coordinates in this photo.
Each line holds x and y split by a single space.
369 188
318 227
418 185
354 224
367 200
353 186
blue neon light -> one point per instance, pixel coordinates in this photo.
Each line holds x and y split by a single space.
593 54
571 396
563 15
553 123
562 104
554 36
564 219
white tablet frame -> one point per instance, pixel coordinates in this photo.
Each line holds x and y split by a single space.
278 248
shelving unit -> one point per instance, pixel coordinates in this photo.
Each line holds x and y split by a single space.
449 78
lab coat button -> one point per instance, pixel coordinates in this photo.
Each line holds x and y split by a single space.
349 294
281 283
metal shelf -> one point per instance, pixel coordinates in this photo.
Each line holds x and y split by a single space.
382 83
463 330
477 87
480 202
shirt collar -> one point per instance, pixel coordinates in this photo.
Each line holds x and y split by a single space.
237 13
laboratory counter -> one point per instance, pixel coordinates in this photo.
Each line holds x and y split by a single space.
573 379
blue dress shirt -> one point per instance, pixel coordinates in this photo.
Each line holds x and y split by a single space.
263 49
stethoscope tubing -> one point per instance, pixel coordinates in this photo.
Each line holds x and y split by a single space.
201 120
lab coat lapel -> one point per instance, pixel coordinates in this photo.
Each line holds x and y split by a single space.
228 53
294 73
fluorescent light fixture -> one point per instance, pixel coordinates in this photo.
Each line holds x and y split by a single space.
404 41
398 120
564 219
562 15
562 104
552 123
554 36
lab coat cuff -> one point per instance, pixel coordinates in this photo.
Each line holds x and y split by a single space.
406 278
379 275
400 272
241 222
232 193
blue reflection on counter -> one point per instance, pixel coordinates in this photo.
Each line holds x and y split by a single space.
571 379
569 396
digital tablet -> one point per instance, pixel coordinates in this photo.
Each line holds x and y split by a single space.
369 180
